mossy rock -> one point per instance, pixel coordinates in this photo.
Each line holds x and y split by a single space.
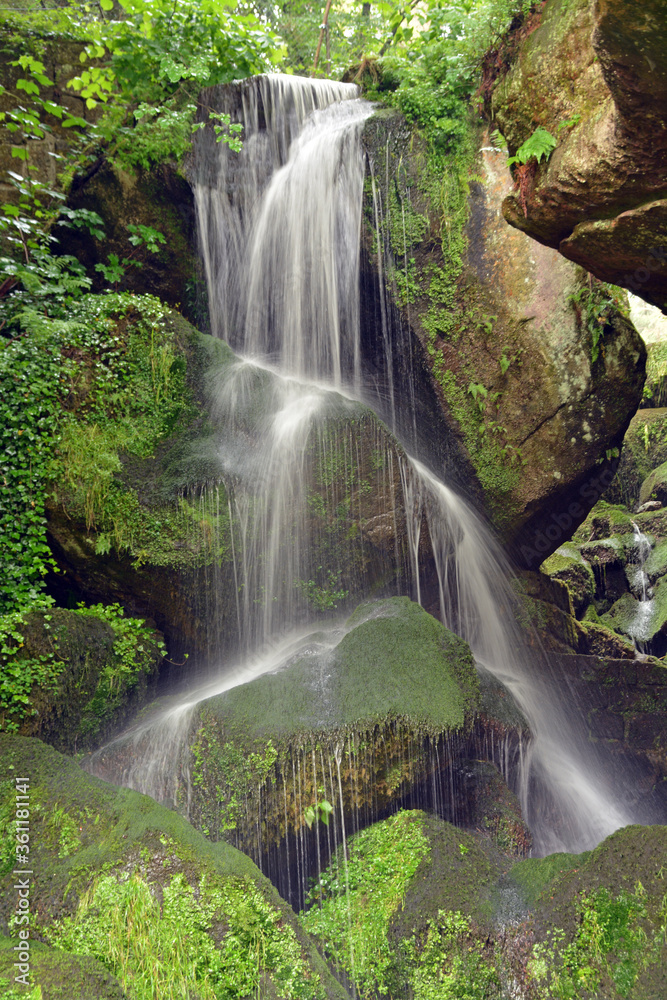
616 893
493 809
656 564
149 511
644 449
101 857
604 520
568 565
60 975
394 661
654 486
380 704
419 889
90 688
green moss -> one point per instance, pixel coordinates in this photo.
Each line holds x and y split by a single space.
656 564
133 442
601 922
535 876
57 975
103 856
655 485
71 675
567 564
391 912
372 707
356 898
396 661
603 520
173 950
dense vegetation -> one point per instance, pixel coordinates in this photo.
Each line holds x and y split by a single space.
142 65
88 378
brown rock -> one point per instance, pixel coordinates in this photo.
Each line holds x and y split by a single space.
601 199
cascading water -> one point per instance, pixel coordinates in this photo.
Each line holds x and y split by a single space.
279 231
638 629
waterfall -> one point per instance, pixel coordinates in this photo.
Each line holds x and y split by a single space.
279 227
639 627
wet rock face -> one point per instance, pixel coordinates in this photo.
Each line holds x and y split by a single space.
565 405
96 854
381 721
601 200
500 335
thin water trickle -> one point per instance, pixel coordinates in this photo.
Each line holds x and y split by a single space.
639 628
279 229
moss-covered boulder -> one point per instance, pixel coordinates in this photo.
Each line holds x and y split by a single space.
568 565
613 896
499 331
644 449
360 719
407 911
654 486
72 677
59 975
203 919
168 492
595 76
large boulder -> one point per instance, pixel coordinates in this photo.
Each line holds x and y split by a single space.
614 895
72 677
100 859
343 726
594 74
407 910
416 907
174 498
360 719
538 396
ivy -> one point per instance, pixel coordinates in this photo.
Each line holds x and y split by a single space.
113 362
134 652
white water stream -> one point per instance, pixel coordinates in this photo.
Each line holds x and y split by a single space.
279 229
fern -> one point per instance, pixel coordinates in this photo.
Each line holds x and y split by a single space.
540 144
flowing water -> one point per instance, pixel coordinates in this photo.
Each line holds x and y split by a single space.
279 228
639 628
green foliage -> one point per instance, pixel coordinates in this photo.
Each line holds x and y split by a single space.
596 303
356 900
172 951
224 131
134 652
323 596
448 962
231 775
609 950
143 69
320 812
431 69
28 435
113 363
352 909
539 145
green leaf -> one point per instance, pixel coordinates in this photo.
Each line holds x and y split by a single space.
539 145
